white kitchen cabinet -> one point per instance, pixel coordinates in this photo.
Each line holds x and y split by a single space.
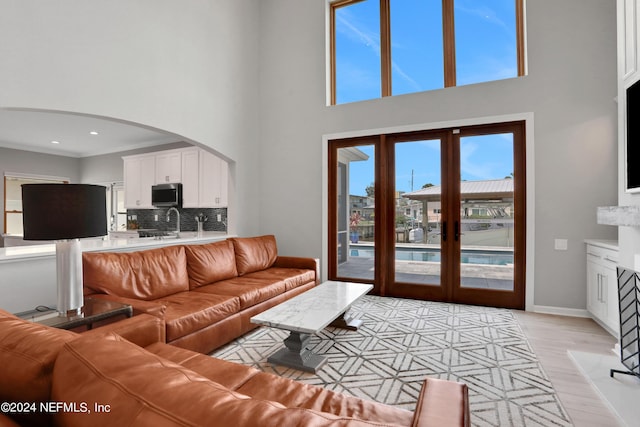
602 284
168 167
628 40
139 177
202 174
190 178
213 178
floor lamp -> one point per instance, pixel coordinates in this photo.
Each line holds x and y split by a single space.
65 213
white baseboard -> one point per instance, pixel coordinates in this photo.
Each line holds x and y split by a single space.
573 312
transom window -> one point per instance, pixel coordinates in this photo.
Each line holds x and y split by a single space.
393 47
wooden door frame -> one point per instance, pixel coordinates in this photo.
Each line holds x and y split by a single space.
385 214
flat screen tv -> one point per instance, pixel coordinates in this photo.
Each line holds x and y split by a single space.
633 138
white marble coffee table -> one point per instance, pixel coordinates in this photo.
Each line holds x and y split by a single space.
307 314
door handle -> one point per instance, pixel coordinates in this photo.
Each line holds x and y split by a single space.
456 231
444 231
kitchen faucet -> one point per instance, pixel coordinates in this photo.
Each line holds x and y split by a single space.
177 216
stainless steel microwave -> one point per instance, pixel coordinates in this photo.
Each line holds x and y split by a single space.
166 195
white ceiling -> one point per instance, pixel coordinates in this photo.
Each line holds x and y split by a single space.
34 131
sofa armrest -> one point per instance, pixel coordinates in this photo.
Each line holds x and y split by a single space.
142 330
299 262
139 306
442 403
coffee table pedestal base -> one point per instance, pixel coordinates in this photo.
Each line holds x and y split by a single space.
296 354
347 321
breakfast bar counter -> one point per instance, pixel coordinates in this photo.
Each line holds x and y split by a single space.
28 273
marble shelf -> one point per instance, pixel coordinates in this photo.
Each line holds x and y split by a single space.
628 216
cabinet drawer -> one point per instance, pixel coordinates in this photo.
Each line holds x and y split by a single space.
604 256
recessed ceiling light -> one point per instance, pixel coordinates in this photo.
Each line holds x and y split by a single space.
93 132
55 142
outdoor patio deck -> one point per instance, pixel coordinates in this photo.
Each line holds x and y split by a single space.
425 272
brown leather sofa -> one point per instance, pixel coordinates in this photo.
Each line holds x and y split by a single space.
205 293
99 378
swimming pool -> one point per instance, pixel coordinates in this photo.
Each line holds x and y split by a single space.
486 257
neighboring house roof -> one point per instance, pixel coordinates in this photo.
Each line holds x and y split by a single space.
483 190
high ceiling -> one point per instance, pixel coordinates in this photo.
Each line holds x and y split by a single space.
35 131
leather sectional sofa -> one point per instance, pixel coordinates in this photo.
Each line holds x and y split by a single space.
99 378
205 293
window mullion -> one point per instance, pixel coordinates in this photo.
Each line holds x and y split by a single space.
449 43
385 47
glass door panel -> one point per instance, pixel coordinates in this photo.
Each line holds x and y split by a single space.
418 212
355 203
487 212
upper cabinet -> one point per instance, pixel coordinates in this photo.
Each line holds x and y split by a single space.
139 176
202 174
213 181
628 41
168 167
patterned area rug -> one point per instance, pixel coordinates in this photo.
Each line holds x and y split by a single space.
403 341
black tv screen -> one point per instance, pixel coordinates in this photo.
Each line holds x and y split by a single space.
633 137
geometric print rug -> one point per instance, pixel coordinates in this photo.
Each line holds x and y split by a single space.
401 342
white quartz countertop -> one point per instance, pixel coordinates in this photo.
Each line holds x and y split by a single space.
20 253
603 243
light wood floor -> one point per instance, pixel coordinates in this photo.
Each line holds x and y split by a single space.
551 336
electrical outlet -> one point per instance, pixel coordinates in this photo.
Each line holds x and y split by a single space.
561 244
155 218
219 218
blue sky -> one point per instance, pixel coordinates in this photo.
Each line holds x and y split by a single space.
481 158
485 51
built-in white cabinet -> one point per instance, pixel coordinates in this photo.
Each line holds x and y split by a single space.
190 178
203 176
602 284
628 39
213 181
139 176
169 167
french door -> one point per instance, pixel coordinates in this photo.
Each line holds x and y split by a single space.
437 215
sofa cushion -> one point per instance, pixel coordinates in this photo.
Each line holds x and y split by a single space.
27 354
210 263
249 291
187 312
145 275
144 389
293 394
292 277
228 374
254 253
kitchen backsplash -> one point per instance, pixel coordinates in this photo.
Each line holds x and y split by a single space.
146 219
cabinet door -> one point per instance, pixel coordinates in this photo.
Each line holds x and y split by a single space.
139 176
594 288
223 177
168 168
147 179
213 181
190 177
612 318
131 183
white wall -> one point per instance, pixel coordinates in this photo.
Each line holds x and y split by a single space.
26 162
185 67
570 89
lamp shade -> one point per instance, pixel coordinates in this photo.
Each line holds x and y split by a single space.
63 211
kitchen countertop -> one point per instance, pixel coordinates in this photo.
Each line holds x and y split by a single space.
607 244
20 253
